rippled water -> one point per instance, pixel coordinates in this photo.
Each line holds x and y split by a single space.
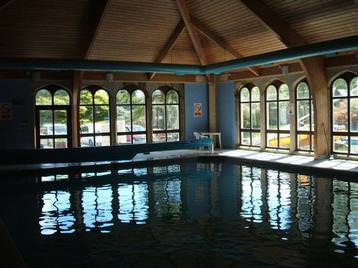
189 215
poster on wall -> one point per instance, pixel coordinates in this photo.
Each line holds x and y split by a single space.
5 111
197 110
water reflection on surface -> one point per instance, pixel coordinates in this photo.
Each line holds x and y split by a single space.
235 209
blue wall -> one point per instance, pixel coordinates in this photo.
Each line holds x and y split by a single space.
195 93
225 113
17 132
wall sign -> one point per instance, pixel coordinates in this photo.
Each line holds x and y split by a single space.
197 110
5 111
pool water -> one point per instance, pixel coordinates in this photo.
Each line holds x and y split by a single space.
195 214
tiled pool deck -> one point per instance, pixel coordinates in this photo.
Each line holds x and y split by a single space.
269 159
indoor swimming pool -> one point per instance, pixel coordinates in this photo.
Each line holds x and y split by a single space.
194 214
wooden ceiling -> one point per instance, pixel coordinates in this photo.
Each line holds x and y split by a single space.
139 30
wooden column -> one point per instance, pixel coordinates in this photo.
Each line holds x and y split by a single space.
113 117
263 118
212 105
76 86
316 76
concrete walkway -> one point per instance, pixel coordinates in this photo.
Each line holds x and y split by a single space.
293 163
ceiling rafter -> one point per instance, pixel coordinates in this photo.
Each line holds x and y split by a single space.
168 45
97 27
194 37
219 41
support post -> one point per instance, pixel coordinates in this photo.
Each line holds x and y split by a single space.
76 86
212 105
316 76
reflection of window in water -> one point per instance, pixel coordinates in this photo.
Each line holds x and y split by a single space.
167 197
133 203
305 199
251 195
345 213
56 214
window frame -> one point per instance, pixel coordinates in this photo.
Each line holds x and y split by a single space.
93 89
52 89
347 77
310 132
250 130
131 105
277 84
165 90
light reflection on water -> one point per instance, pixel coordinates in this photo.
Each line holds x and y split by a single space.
296 208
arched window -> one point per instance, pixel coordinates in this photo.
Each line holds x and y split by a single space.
131 117
345 114
304 117
250 116
165 115
53 118
94 117
277 116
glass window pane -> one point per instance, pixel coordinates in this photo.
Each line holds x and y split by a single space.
271 93
158 97
102 141
284 115
244 94
159 137
303 142
255 115
61 97
256 138
245 138
124 139
158 117
138 97
87 141
340 88
354 114
60 122
172 97
123 97
354 86
102 119
255 94
101 97
86 97
303 91
46 143
86 119
340 144
272 115
284 92
272 140
284 140
123 118
245 115
303 115
43 97
173 137
139 139
61 143
46 124
138 117
340 115
172 116
354 145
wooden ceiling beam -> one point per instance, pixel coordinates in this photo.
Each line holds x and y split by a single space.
105 5
219 41
184 13
274 23
168 45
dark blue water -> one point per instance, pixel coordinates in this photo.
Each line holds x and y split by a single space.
189 215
